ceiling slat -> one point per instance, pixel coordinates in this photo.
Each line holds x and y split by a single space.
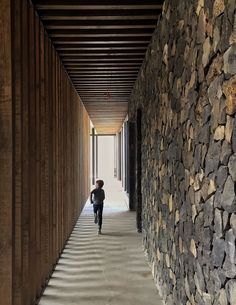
102 44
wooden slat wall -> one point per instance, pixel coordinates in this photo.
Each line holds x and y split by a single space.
6 152
44 155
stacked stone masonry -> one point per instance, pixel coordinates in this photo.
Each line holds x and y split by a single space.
187 92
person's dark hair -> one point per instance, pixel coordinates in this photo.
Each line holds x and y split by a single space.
100 183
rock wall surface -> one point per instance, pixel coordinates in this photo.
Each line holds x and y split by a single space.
187 92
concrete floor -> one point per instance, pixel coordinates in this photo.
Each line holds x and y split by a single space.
103 270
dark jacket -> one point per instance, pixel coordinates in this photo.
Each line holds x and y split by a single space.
97 196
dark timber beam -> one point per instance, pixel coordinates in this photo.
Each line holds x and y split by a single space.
102 44
98 32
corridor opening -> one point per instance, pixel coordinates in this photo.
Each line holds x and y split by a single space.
108 162
102 157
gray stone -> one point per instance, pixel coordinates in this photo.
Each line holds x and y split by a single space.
234 137
206 52
200 277
212 158
188 139
232 167
214 282
216 38
229 129
208 237
199 226
217 198
225 219
228 199
230 60
233 223
222 298
218 226
232 39
201 29
204 134
221 177
208 212
230 260
225 33
230 288
226 151
221 275
215 93
230 8
204 189
218 252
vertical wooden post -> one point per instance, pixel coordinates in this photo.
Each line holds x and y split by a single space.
25 152
132 166
139 170
6 153
17 147
93 156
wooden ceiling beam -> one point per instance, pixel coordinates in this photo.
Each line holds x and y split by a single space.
72 36
86 88
102 65
104 95
98 57
108 79
79 84
96 5
103 48
105 92
64 16
101 74
104 51
100 24
99 102
100 40
102 86
102 70
99 32
99 14
110 60
102 44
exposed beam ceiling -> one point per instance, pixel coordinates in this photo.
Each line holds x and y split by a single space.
102 44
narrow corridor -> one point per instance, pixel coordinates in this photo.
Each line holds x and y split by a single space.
142 95
109 268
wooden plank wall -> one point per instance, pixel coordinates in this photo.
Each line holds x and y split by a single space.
6 153
44 136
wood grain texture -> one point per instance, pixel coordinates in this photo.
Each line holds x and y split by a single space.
6 153
48 141
111 36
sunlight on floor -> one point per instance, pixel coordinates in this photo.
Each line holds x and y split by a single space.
103 270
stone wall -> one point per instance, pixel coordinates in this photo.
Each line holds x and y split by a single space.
187 92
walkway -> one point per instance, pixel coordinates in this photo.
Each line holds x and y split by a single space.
103 270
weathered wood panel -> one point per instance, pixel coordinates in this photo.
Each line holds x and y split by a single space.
6 151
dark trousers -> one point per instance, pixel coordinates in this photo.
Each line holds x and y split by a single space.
98 209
